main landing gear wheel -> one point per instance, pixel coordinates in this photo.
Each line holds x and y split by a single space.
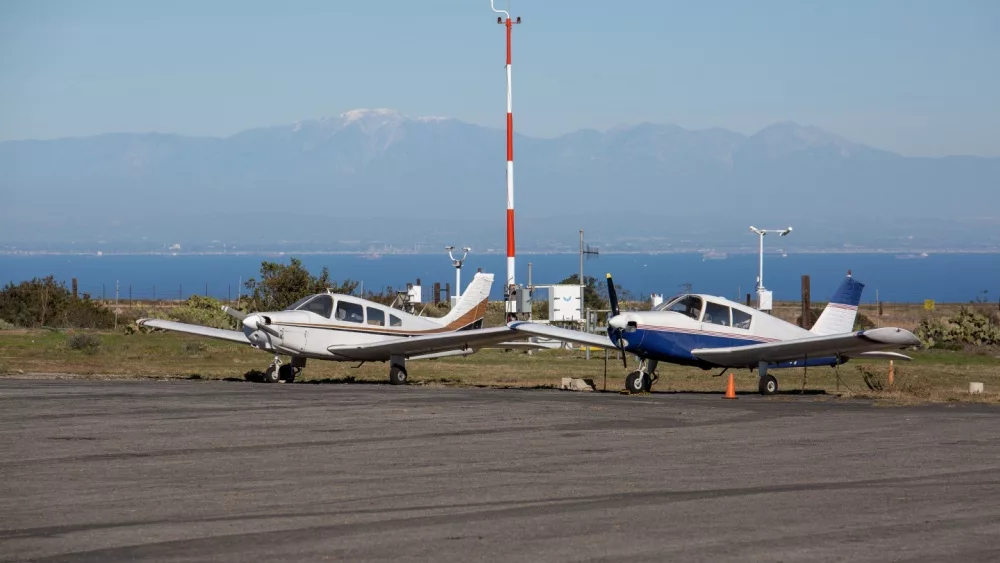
397 375
286 373
768 385
638 382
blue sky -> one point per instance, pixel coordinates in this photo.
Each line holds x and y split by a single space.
917 77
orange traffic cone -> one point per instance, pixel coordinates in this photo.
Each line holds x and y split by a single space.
730 388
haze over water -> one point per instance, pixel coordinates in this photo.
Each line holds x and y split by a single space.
942 277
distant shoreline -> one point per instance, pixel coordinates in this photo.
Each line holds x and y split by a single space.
904 253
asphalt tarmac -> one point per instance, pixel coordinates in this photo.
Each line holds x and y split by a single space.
221 471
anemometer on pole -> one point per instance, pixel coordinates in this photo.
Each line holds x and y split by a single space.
457 263
763 295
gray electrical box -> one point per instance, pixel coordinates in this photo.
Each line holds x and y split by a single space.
523 300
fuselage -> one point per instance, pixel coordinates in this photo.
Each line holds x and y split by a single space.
310 326
696 321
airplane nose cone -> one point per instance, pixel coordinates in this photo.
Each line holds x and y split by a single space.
251 321
618 321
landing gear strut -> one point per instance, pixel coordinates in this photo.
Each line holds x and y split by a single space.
642 379
397 370
767 384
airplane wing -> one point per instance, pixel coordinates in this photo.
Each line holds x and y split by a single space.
217 333
426 346
846 344
563 334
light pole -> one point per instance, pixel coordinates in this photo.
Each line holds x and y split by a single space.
764 296
457 263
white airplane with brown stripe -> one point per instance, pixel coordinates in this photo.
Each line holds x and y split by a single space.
344 328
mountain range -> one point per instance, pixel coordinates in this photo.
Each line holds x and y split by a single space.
379 177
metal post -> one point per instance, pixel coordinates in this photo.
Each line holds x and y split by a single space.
116 304
583 287
605 369
531 295
130 295
760 268
806 305
74 289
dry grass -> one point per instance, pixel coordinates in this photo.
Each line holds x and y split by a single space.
933 376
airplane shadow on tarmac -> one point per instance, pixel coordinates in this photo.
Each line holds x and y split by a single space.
254 375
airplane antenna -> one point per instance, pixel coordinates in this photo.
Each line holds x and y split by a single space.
511 305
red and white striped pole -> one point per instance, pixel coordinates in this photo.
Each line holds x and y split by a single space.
511 305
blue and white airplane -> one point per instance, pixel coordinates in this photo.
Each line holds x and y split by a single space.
713 332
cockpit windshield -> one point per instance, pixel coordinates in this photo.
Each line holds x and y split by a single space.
689 305
320 304
299 303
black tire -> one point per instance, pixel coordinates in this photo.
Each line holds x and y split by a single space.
397 375
637 382
286 373
272 375
768 385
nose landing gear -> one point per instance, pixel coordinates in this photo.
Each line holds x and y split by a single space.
642 379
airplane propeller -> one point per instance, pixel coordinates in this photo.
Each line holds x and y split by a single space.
617 331
234 313
257 322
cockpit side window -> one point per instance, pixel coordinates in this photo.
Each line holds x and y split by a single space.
376 316
716 314
321 305
741 319
690 306
395 321
350 312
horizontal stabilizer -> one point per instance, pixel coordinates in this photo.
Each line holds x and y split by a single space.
882 356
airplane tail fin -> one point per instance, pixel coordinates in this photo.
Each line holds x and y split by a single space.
838 316
470 309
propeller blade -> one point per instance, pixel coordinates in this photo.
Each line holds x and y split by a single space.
612 296
269 330
238 315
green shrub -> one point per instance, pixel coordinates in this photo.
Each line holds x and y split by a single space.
86 343
46 302
4 325
204 311
965 328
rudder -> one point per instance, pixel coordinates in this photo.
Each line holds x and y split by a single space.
471 307
838 316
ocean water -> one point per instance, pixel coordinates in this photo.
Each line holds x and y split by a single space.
942 277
